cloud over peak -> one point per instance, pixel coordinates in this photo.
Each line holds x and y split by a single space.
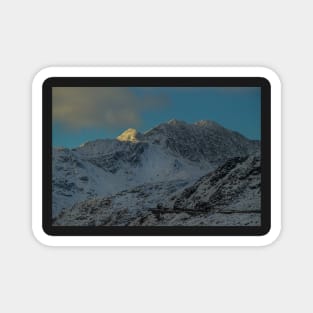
101 107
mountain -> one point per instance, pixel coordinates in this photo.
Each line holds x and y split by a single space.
204 140
230 195
170 156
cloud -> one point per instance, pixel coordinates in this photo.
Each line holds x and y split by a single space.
101 107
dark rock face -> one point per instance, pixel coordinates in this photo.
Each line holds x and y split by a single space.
112 162
203 140
236 185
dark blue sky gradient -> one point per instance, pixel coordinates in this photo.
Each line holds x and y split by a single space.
236 108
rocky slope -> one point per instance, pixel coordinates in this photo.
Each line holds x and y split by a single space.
230 196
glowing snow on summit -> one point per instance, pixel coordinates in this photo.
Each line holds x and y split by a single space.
130 134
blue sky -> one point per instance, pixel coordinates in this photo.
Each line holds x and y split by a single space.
82 114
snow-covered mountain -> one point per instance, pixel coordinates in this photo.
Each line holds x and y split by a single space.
230 195
166 159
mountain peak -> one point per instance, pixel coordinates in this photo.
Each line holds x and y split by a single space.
206 123
175 122
130 134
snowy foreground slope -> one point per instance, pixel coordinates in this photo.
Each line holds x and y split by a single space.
173 174
230 195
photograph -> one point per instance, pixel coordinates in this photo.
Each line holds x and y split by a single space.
156 156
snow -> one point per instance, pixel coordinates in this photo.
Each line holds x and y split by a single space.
137 172
130 134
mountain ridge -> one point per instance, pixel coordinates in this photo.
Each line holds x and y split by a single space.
171 151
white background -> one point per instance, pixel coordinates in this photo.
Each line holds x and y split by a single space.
36 34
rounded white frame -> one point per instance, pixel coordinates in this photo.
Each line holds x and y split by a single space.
43 238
